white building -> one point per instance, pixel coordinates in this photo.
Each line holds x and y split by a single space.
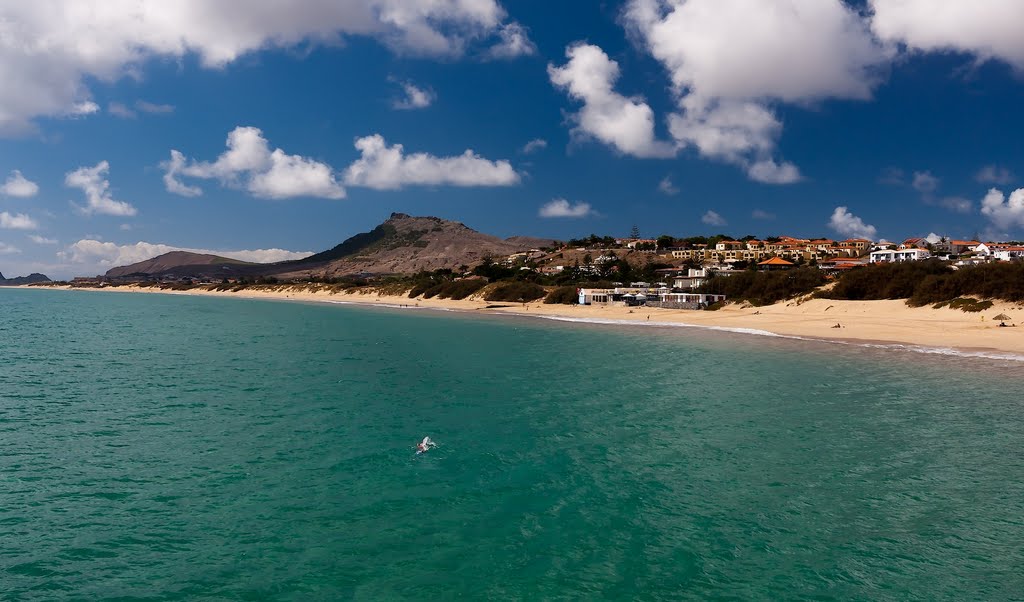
1009 253
635 296
899 255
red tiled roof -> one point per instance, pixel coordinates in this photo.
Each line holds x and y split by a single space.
776 261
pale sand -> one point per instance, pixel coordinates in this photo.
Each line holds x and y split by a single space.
890 322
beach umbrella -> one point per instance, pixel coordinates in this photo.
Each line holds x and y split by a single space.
1001 318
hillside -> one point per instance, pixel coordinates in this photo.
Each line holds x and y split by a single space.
183 263
405 244
533 242
21 280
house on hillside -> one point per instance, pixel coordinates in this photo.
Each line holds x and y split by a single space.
775 263
956 247
914 243
838 265
729 245
861 244
1009 253
995 250
899 255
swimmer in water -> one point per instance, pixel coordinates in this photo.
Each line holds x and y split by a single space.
424 445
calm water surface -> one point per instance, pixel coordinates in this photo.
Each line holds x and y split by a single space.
182 448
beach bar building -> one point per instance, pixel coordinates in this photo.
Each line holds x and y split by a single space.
661 297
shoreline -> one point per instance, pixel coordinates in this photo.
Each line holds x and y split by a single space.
887 323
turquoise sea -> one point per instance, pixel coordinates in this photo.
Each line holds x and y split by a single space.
160 447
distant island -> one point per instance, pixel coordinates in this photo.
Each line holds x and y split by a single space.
34 278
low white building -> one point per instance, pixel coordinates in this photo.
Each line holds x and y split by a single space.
899 255
639 296
1009 253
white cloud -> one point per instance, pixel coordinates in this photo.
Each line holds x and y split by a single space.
6 249
729 60
934 238
1004 213
993 174
386 167
988 29
928 185
513 42
625 123
537 144
924 182
712 218
41 240
249 163
51 49
849 225
153 108
17 185
956 203
92 182
767 171
172 168
761 214
108 254
563 208
119 109
20 221
790 50
415 97
80 109
665 186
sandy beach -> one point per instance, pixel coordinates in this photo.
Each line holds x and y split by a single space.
884 322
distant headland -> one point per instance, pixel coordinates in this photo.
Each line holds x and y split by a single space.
34 278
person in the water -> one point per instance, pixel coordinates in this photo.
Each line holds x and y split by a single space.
424 445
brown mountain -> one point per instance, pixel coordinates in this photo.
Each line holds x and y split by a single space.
403 244
183 263
20 280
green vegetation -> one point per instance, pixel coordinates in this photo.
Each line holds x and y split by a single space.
563 295
442 284
764 288
966 304
887 281
593 241
458 289
931 282
520 292
494 272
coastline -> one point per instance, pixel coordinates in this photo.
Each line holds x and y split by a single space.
885 323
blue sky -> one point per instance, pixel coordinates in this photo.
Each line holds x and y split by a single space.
886 118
